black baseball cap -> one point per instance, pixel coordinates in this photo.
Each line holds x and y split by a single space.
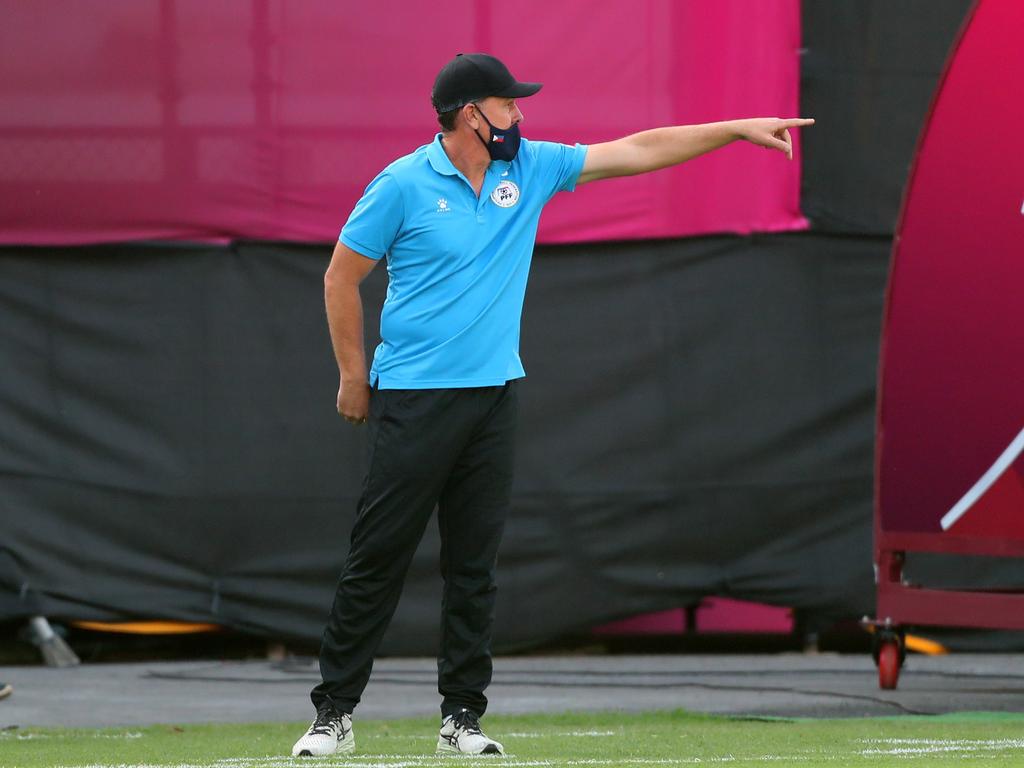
472 76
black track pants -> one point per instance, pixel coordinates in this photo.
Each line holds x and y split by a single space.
453 448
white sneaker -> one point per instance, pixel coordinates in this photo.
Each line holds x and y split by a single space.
461 733
331 732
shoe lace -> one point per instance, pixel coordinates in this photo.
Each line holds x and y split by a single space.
326 718
467 721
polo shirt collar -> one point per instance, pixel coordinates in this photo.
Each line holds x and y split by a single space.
439 159
441 163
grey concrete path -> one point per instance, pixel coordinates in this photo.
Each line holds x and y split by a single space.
258 691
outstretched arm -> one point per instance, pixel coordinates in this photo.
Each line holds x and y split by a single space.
662 147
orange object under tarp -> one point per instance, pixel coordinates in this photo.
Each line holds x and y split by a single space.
147 627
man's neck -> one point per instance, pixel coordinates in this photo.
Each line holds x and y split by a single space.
471 160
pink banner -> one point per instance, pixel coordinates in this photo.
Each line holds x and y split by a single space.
265 119
951 406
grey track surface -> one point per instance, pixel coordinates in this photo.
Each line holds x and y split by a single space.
794 685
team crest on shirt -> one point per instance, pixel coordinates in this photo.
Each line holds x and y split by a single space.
506 194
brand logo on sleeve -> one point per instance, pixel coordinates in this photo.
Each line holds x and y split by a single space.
506 194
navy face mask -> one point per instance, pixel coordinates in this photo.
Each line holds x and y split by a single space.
504 142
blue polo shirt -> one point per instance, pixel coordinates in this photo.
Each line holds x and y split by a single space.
457 264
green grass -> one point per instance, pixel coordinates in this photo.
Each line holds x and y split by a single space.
585 739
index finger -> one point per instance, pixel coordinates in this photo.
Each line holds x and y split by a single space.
795 122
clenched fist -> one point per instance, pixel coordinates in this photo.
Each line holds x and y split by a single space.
354 401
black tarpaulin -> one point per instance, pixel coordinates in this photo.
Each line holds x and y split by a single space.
697 419
867 75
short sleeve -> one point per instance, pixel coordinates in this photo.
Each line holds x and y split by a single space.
374 223
559 165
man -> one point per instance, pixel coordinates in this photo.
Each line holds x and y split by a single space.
457 220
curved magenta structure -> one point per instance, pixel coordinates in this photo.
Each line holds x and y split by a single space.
949 474
950 427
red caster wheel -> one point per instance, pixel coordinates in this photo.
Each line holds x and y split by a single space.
888 664
889 650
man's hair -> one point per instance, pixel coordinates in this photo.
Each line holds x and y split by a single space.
447 119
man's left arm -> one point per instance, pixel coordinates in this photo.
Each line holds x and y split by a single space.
664 147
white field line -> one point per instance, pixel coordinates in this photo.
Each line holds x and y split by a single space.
915 747
469 762
322 762
9 736
1014 743
906 749
413 761
16 736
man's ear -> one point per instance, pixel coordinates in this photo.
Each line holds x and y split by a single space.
469 114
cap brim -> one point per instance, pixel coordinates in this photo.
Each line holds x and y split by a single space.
520 90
